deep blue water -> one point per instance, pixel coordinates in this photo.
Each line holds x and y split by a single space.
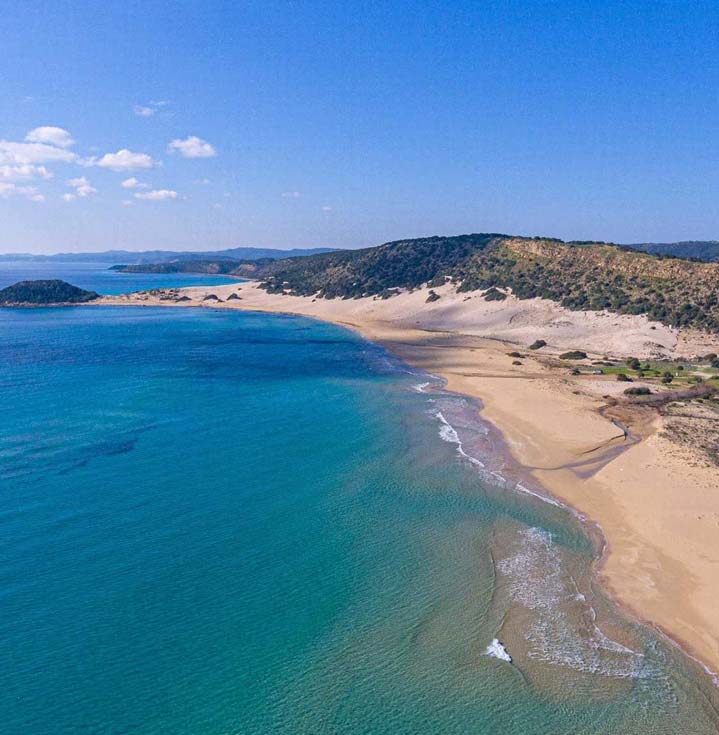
98 277
221 522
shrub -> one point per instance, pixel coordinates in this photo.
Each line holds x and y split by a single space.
639 391
667 378
516 362
624 378
633 363
574 355
537 344
494 295
433 296
513 354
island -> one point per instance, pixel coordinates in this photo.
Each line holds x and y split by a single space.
44 293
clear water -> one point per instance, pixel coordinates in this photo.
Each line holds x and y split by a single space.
217 522
98 277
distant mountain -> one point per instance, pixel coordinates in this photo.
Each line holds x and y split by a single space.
43 293
223 266
706 250
162 256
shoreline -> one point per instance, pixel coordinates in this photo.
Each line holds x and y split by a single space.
546 425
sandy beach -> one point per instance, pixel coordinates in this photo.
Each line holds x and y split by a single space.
657 503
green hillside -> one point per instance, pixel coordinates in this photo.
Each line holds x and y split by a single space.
44 292
588 276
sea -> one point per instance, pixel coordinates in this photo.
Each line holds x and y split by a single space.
215 522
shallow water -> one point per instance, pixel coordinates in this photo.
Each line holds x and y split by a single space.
221 522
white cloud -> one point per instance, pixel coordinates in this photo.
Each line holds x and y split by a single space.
8 190
150 108
68 197
291 194
326 209
21 154
50 135
192 147
204 182
24 172
133 183
82 186
157 195
127 202
125 160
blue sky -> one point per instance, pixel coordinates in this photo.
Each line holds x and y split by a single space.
297 124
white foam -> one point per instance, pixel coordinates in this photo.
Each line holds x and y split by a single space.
497 650
448 433
545 498
420 387
563 631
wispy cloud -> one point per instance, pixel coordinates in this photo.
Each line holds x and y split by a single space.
8 190
157 195
291 194
149 109
24 172
133 183
82 186
191 147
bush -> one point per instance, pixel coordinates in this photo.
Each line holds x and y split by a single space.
574 355
641 391
633 363
624 378
667 378
537 344
433 296
516 362
514 354
494 295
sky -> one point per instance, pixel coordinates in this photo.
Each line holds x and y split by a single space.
205 125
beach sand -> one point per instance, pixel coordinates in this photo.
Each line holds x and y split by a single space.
657 503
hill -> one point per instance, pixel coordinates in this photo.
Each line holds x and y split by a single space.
44 292
706 250
581 276
214 267
162 256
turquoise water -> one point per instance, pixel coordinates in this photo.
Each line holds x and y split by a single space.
217 522
98 277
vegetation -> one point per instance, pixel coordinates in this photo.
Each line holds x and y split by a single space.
580 276
537 344
494 294
433 296
707 250
573 355
44 292
640 391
